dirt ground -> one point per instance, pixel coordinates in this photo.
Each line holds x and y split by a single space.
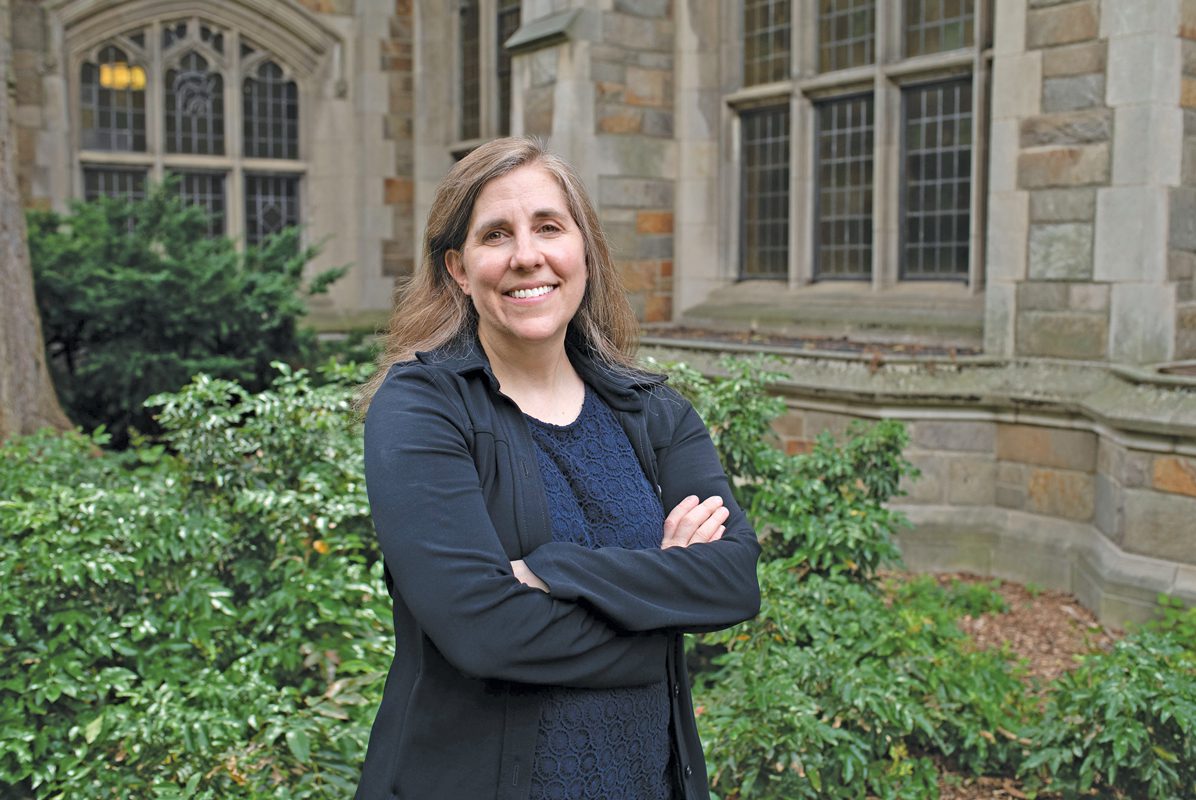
1047 630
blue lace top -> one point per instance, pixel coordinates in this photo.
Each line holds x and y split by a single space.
600 744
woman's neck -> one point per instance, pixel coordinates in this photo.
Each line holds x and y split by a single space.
540 379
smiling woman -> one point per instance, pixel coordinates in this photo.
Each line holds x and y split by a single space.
538 501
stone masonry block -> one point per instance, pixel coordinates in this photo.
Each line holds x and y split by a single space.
1075 59
1183 219
1080 165
791 424
1141 323
1063 205
1181 265
1143 68
638 276
1061 251
931 484
659 307
1175 474
1061 493
654 247
1131 234
1106 512
619 118
1088 297
647 87
1065 334
654 222
1041 296
964 436
1110 457
1185 331
1073 22
658 122
634 192
1047 447
1073 93
1160 525
1068 127
971 481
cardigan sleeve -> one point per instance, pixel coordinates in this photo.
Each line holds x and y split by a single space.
698 588
450 569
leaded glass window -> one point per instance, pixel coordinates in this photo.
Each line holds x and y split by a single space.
206 190
271 114
198 61
471 99
937 176
271 204
765 193
113 182
508 23
933 26
194 108
843 224
112 102
766 34
846 33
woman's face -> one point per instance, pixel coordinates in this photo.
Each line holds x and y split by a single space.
523 263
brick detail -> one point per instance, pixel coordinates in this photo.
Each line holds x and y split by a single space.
1064 24
1047 447
1175 474
1084 165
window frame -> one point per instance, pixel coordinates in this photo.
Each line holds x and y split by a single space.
885 79
234 68
490 116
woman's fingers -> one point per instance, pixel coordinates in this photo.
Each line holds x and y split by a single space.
692 522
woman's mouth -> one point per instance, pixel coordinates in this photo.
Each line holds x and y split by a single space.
523 294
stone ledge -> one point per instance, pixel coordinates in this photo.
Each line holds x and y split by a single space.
1119 587
1091 394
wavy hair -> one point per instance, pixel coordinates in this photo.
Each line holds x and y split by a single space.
430 310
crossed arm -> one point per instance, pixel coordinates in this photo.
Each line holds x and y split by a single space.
608 616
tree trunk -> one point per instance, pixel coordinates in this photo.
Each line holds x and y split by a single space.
27 397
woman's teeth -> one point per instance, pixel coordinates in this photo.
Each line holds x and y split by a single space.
521 294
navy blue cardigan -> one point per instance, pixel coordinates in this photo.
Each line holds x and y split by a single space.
456 495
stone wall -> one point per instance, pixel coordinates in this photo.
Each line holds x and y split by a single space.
29 61
1181 263
1091 243
1076 477
398 182
1065 154
632 72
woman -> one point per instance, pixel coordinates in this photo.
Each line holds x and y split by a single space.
518 467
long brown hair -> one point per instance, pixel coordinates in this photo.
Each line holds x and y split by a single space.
430 310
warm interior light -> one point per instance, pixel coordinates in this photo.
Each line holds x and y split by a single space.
120 75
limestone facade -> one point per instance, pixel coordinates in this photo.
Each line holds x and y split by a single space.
1070 250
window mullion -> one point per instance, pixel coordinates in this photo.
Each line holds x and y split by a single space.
234 144
155 102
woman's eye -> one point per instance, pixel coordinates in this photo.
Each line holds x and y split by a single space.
492 236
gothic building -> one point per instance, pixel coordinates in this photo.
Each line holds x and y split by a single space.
1012 182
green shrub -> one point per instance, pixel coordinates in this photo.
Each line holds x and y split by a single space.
1121 725
837 691
210 624
826 506
135 298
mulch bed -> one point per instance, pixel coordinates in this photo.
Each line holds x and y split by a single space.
1046 631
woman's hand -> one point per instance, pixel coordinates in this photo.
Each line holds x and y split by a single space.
527 577
693 522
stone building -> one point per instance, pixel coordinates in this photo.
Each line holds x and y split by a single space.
1011 185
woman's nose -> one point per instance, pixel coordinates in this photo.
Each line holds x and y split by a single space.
527 253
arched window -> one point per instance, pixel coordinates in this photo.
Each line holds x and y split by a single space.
154 104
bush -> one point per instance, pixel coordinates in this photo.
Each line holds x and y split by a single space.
825 507
135 298
1121 725
208 624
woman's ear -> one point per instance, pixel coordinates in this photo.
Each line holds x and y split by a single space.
452 262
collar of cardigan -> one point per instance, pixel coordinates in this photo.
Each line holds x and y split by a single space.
616 386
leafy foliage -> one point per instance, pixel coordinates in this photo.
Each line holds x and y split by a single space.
1122 725
209 624
135 298
826 506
